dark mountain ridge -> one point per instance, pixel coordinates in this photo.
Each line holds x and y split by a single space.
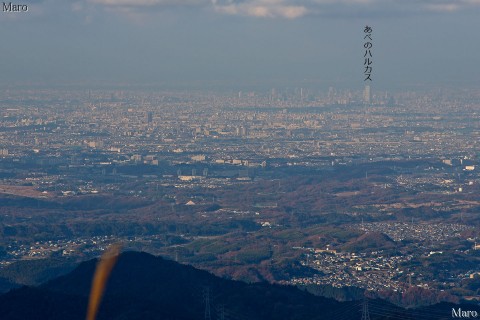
143 286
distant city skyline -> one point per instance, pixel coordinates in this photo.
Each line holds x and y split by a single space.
241 44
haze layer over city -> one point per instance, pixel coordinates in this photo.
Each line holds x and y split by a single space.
329 147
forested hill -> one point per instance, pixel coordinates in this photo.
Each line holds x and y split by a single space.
143 286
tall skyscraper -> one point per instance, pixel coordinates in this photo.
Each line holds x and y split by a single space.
367 95
149 117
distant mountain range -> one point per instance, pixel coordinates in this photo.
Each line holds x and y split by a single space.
143 286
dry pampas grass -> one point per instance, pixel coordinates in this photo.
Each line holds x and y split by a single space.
102 272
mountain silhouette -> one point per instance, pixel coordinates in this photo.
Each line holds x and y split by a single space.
143 286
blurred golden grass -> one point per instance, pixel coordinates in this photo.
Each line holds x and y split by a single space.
102 272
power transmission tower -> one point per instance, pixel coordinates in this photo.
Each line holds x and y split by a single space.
365 313
206 298
221 312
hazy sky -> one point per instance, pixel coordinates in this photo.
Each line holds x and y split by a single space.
242 42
